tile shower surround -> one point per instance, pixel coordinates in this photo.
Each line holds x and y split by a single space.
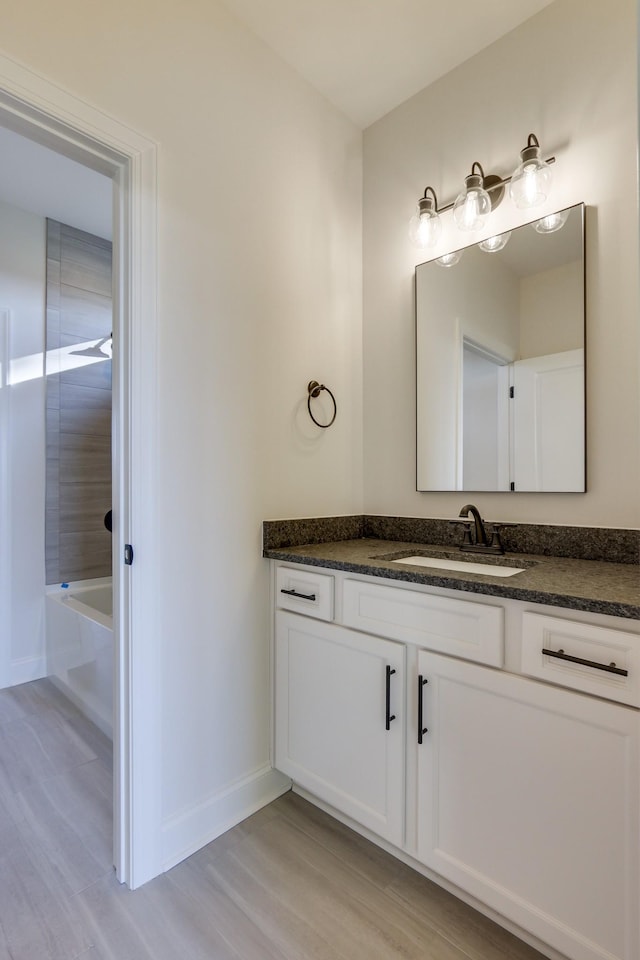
78 408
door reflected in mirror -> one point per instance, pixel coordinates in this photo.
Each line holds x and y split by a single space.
500 341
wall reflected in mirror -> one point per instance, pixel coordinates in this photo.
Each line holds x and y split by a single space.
500 341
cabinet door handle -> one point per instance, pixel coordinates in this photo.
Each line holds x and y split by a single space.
607 667
388 715
421 730
301 596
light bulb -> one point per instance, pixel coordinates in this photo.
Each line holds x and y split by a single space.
449 259
493 244
531 180
473 205
424 229
425 225
555 221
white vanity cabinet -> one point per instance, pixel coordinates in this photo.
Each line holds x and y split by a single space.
340 719
523 791
528 800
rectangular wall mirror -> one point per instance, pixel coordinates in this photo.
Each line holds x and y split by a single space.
500 375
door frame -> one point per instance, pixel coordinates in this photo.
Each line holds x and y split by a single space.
5 503
36 108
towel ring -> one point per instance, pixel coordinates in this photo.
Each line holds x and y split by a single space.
314 389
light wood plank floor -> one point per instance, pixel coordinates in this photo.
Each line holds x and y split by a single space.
289 883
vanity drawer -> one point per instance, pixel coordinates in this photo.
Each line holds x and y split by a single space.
612 669
308 593
461 628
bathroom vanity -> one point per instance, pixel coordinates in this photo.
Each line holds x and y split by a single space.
484 728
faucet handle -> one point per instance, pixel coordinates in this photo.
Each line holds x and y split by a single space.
466 536
496 542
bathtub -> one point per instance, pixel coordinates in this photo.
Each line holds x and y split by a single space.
79 645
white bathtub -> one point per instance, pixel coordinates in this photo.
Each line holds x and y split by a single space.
79 643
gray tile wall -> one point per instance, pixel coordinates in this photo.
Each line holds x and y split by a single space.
79 312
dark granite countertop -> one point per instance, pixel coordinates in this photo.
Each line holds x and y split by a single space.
595 586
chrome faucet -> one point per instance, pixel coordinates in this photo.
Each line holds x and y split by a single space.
480 542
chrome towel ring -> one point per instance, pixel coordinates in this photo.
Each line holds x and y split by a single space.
314 389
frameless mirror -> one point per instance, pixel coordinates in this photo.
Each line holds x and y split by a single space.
500 340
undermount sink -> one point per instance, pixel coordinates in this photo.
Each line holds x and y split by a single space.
463 566
491 567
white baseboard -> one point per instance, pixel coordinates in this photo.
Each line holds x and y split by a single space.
192 829
29 668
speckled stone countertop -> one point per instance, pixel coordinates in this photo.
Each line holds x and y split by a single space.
591 585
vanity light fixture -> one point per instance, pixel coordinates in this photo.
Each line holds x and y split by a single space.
555 221
425 225
528 186
493 244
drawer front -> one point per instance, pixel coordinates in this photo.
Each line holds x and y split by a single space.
308 593
461 628
612 667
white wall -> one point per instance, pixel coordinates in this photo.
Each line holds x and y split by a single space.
569 75
551 314
260 193
22 436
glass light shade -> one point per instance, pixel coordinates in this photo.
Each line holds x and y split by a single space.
493 244
555 221
450 259
424 227
473 205
531 180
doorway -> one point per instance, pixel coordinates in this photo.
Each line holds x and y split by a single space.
485 421
55 401
42 112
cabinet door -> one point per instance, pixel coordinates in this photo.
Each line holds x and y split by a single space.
332 719
528 799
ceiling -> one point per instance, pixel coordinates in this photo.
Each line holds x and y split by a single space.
365 56
368 56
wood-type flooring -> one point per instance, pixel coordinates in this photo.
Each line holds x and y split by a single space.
289 883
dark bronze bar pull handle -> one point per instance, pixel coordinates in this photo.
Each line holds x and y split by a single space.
301 596
421 730
607 667
388 715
